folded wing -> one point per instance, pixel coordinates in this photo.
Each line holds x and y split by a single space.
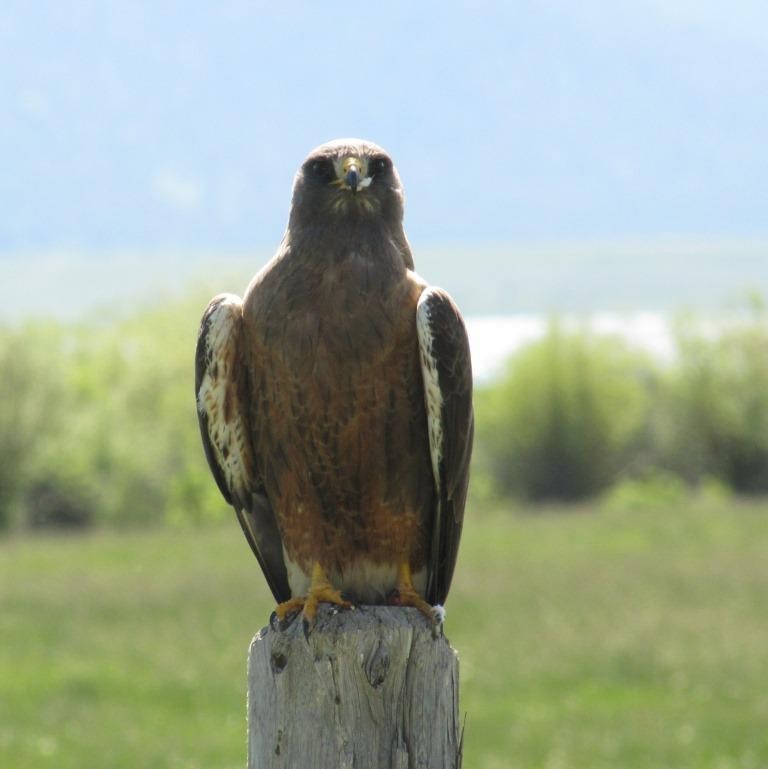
447 373
222 392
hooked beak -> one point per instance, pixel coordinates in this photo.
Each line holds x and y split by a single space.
352 176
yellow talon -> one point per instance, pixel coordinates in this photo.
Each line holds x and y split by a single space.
320 589
407 595
286 607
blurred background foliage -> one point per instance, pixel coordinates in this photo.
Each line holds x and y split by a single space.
98 423
576 414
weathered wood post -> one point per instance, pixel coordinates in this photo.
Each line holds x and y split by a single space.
369 689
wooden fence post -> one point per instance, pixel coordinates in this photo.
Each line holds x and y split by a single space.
370 688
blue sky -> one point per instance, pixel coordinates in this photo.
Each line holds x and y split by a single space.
157 125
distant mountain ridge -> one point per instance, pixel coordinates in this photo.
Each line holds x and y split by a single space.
485 280
165 124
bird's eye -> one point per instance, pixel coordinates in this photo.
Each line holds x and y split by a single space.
322 170
380 166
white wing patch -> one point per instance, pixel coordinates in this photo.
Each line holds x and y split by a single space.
217 397
432 393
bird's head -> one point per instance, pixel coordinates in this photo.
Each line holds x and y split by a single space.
347 178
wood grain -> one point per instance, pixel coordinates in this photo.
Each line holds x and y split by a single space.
370 688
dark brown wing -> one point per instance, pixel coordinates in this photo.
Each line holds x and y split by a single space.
447 372
221 389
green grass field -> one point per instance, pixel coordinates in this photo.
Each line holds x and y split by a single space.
587 640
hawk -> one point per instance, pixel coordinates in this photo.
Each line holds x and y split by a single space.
335 400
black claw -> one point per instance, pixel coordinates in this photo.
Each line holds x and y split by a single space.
347 597
393 598
289 619
274 623
306 627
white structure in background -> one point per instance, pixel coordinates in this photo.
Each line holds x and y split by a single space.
494 338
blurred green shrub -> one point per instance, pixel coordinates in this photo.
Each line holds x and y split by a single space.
32 397
714 406
654 490
567 416
657 489
574 414
98 422
57 501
